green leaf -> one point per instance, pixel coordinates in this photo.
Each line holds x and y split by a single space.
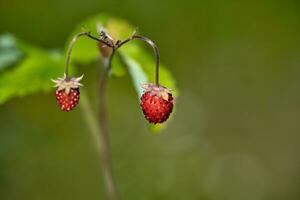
137 73
9 52
32 74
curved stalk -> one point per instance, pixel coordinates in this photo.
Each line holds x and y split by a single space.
71 46
69 51
154 47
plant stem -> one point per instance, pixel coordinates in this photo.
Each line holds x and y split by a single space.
99 135
104 136
90 119
71 46
154 47
69 51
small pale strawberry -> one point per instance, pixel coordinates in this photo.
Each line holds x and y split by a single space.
67 92
157 103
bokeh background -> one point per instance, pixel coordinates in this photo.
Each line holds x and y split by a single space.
235 135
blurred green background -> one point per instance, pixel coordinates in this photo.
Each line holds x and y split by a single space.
235 135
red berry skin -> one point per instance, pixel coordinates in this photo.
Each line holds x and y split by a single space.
155 108
66 101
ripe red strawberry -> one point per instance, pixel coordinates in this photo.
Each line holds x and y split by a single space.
67 101
67 92
157 103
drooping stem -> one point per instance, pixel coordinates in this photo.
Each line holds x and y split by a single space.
71 46
69 51
154 47
114 47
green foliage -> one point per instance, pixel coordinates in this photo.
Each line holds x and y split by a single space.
138 75
31 74
9 52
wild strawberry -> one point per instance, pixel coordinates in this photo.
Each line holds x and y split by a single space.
157 103
67 92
